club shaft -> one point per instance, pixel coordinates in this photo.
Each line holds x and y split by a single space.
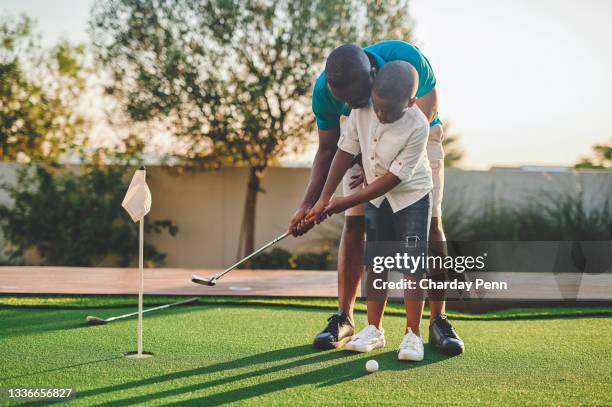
153 309
250 256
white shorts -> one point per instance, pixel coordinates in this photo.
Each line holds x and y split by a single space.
358 210
435 154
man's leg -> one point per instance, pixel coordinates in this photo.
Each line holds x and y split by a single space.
437 301
442 335
350 263
341 326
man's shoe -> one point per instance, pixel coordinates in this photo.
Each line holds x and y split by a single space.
338 331
444 338
411 347
369 338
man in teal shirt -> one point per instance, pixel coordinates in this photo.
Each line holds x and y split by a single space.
344 85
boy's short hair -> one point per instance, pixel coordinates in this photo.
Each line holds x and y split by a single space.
396 81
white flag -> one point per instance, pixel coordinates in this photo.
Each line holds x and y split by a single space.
137 201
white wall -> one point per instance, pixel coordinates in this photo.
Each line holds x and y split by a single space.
207 206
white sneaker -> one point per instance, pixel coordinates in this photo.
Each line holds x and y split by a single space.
411 347
369 338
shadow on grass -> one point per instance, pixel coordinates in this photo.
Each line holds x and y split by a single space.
89 362
21 323
306 355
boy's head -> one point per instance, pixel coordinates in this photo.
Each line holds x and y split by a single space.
350 75
394 90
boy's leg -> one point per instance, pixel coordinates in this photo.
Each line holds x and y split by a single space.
412 225
379 228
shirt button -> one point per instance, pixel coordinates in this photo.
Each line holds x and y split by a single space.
375 140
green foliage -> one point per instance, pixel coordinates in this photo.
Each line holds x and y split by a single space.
314 261
39 92
276 258
601 160
74 218
547 216
231 79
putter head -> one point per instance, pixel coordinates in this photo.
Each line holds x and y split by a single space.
211 281
95 320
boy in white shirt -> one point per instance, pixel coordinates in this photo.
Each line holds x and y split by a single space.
391 136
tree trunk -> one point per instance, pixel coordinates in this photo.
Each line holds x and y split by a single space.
253 188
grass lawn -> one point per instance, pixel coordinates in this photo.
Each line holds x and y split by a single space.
258 352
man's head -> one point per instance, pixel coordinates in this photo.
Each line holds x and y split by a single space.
394 90
350 75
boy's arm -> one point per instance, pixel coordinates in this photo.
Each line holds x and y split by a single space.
377 188
414 151
401 169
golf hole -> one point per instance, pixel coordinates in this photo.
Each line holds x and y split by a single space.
240 288
134 355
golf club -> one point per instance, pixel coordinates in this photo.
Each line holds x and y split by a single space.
101 321
212 280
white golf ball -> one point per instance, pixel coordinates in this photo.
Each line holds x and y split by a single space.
371 366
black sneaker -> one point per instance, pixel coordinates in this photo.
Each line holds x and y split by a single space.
444 338
338 331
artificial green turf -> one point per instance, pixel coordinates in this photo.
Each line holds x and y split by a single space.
106 301
253 353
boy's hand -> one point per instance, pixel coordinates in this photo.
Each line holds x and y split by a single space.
337 205
316 214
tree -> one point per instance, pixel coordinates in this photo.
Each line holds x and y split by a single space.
39 92
453 153
74 218
602 158
231 80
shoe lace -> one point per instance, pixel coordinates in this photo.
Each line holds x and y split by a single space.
445 327
333 321
367 334
409 342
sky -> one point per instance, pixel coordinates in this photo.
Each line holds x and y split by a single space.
523 82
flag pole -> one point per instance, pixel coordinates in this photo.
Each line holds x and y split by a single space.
140 285
137 203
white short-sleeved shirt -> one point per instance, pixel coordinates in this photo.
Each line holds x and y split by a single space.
398 147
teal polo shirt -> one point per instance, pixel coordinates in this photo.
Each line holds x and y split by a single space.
327 109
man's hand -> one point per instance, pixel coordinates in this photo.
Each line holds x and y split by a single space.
358 179
298 225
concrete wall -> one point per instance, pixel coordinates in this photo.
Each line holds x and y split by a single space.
207 206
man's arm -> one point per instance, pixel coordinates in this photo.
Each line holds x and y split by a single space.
328 144
428 103
342 162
